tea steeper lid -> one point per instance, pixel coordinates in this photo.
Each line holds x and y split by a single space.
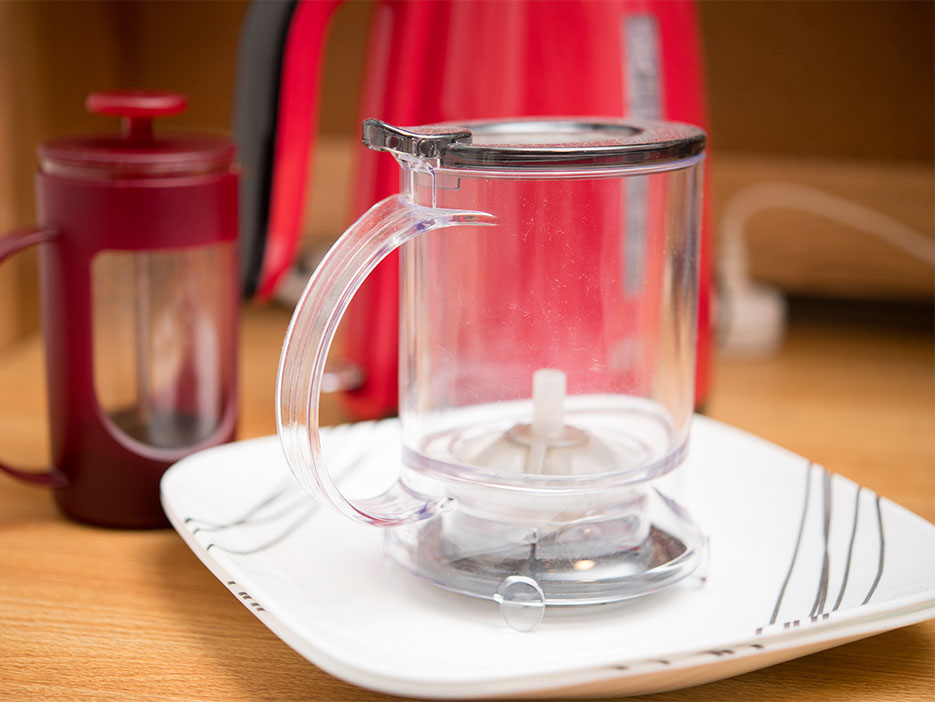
138 151
553 143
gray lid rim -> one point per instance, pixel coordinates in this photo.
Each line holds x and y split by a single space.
642 142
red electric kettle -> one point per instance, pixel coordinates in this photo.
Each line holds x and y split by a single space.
447 61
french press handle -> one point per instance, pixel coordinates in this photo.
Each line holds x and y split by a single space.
10 244
382 229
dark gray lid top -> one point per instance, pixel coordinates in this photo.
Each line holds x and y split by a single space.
542 143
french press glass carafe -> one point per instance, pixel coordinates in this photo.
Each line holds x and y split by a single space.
548 299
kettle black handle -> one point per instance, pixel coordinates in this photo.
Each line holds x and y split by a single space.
275 118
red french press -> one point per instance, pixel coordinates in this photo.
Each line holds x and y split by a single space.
139 299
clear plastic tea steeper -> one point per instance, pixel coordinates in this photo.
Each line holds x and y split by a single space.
549 281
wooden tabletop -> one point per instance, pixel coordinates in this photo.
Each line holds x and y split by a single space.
95 614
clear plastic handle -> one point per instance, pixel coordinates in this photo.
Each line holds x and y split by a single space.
381 230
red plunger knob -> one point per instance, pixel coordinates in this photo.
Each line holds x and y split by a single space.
138 108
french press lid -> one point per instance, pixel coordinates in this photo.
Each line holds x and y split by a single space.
540 143
138 151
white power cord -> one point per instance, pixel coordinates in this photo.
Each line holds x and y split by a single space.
752 315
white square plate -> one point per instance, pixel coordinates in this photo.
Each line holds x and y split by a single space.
801 560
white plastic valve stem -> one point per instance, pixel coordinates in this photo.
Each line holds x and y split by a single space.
548 403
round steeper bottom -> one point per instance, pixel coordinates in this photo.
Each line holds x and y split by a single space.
525 568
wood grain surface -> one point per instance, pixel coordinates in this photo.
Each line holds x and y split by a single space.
94 614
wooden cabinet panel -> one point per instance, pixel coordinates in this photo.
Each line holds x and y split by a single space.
821 79
813 226
51 55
